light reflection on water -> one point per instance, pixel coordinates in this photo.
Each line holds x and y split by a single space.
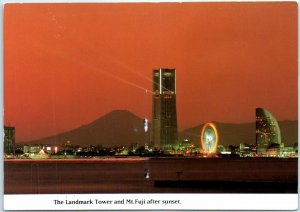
127 175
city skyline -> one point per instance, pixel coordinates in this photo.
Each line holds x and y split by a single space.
67 64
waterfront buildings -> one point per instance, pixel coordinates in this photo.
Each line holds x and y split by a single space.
164 115
268 137
9 141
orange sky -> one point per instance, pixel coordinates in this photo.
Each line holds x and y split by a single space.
67 64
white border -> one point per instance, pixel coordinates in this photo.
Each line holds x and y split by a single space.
187 202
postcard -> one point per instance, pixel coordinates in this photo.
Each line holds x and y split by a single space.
151 106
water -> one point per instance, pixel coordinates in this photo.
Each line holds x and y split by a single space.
121 175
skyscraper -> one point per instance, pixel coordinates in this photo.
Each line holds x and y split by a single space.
267 131
9 141
164 116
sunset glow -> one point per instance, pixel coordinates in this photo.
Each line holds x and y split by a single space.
66 65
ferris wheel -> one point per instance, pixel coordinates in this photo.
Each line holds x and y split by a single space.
209 138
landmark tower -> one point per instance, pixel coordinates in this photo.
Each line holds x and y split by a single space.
164 116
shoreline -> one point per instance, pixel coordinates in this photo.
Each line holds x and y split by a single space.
137 159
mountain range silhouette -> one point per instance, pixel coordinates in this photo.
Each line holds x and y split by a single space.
121 127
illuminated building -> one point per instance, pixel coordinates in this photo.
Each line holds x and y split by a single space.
47 148
9 141
209 138
268 135
35 149
288 152
164 116
185 145
26 148
187 148
247 150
